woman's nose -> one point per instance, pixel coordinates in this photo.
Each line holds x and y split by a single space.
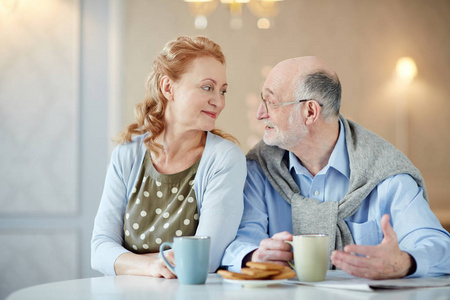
217 100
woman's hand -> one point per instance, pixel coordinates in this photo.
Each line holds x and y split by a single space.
144 264
157 267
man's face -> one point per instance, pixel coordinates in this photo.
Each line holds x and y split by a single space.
283 125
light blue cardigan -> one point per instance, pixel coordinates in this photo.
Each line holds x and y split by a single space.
218 187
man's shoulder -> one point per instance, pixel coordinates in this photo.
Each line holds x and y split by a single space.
355 131
263 152
253 166
255 150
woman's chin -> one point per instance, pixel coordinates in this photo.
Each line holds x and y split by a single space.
209 127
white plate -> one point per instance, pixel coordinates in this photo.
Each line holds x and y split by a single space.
255 283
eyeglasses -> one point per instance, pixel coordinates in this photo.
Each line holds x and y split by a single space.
276 105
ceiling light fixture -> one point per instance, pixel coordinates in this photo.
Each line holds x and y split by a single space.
8 6
264 10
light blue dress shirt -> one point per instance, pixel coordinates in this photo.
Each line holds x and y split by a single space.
418 230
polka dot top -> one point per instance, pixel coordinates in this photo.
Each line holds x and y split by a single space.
160 208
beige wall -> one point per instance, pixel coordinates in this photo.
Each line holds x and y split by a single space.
69 64
362 40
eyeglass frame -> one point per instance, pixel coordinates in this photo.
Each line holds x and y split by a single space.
277 105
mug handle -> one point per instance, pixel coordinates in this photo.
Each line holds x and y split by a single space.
161 250
289 262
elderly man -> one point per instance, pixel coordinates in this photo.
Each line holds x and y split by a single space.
317 172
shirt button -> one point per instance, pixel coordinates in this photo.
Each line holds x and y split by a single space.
316 193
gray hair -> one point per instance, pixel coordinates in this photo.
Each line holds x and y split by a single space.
324 88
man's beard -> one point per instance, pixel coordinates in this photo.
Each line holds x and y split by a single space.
291 137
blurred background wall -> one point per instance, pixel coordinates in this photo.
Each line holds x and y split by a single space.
71 72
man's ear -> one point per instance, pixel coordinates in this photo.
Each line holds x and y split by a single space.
312 111
166 85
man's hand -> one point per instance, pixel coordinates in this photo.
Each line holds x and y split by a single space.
275 249
382 261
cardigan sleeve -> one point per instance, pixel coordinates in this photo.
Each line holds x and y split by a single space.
107 236
219 192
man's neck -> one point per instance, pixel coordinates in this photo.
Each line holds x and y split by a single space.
315 150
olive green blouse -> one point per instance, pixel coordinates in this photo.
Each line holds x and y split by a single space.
160 208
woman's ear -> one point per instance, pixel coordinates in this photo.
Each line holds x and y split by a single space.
167 87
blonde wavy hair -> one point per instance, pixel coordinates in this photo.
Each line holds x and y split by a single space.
173 61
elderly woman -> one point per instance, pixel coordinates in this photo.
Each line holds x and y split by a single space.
173 174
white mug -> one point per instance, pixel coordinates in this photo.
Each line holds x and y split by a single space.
310 256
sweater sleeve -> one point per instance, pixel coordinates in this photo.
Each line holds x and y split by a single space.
107 236
254 226
220 184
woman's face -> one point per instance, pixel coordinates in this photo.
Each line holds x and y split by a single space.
199 95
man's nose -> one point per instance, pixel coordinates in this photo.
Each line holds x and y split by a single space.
261 113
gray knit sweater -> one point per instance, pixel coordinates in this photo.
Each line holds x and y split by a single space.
371 158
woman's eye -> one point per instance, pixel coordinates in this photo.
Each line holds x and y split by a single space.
223 92
207 88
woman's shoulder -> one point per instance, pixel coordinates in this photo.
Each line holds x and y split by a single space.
222 154
221 157
131 149
218 145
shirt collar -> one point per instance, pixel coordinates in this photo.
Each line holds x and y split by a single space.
338 159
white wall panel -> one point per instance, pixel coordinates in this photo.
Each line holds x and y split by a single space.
39 60
34 257
53 138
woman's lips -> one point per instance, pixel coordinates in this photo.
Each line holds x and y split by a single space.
211 114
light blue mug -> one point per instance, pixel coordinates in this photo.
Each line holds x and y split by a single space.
191 258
